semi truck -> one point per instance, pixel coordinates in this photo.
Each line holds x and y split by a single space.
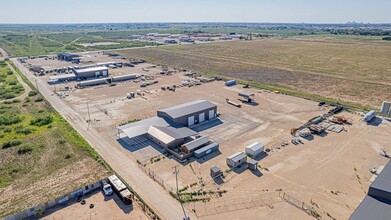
120 189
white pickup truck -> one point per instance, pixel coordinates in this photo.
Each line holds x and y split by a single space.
106 188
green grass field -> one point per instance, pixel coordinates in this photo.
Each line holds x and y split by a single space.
357 72
41 155
9 85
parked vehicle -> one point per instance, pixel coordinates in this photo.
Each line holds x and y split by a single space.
107 190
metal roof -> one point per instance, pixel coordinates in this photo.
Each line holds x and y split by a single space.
170 134
381 187
372 208
237 156
377 204
255 146
67 54
194 144
187 108
141 127
246 94
64 76
92 69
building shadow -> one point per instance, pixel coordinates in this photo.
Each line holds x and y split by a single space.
309 137
376 121
251 103
240 169
260 156
134 145
323 134
218 180
257 173
208 157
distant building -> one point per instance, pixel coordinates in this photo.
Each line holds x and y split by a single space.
68 57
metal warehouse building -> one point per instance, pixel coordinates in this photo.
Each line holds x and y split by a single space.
377 204
190 113
169 137
92 72
68 56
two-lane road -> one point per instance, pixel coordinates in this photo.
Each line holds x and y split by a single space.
117 157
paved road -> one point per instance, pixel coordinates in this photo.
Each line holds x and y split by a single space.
117 157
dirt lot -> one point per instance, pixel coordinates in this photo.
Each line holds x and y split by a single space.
330 172
358 72
105 207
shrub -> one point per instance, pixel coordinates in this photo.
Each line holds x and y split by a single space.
12 143
68 156
39 99
6 145
8 96
12 83
16 101
1 135
41 120
7 130
33 93
61 142
10 72
16 142
24 149
10 119
25 131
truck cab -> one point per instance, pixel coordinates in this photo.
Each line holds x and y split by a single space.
107 190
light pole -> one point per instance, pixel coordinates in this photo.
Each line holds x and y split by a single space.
176 172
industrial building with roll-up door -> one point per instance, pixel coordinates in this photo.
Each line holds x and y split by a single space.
190 113
92 72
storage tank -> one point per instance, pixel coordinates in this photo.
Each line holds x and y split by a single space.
230 83
369 116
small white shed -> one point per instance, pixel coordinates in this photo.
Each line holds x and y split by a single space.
254 149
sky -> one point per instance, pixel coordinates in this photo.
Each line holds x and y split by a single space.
114 11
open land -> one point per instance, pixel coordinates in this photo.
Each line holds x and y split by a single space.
329 172
356 71
41 156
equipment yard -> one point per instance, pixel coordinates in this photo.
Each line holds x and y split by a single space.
329 173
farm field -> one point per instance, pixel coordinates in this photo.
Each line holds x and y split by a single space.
41 156
357 72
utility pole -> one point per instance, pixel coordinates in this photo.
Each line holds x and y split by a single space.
176 172
89 117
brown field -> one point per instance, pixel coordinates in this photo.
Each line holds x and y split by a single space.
357 71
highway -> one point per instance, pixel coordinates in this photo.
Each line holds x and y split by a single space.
116 156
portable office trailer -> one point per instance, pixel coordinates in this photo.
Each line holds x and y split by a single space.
193 145
230 83
236 159
93 82
202 152
124 77
254 149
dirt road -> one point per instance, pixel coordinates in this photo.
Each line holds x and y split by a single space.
27 88
3 54
165 206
